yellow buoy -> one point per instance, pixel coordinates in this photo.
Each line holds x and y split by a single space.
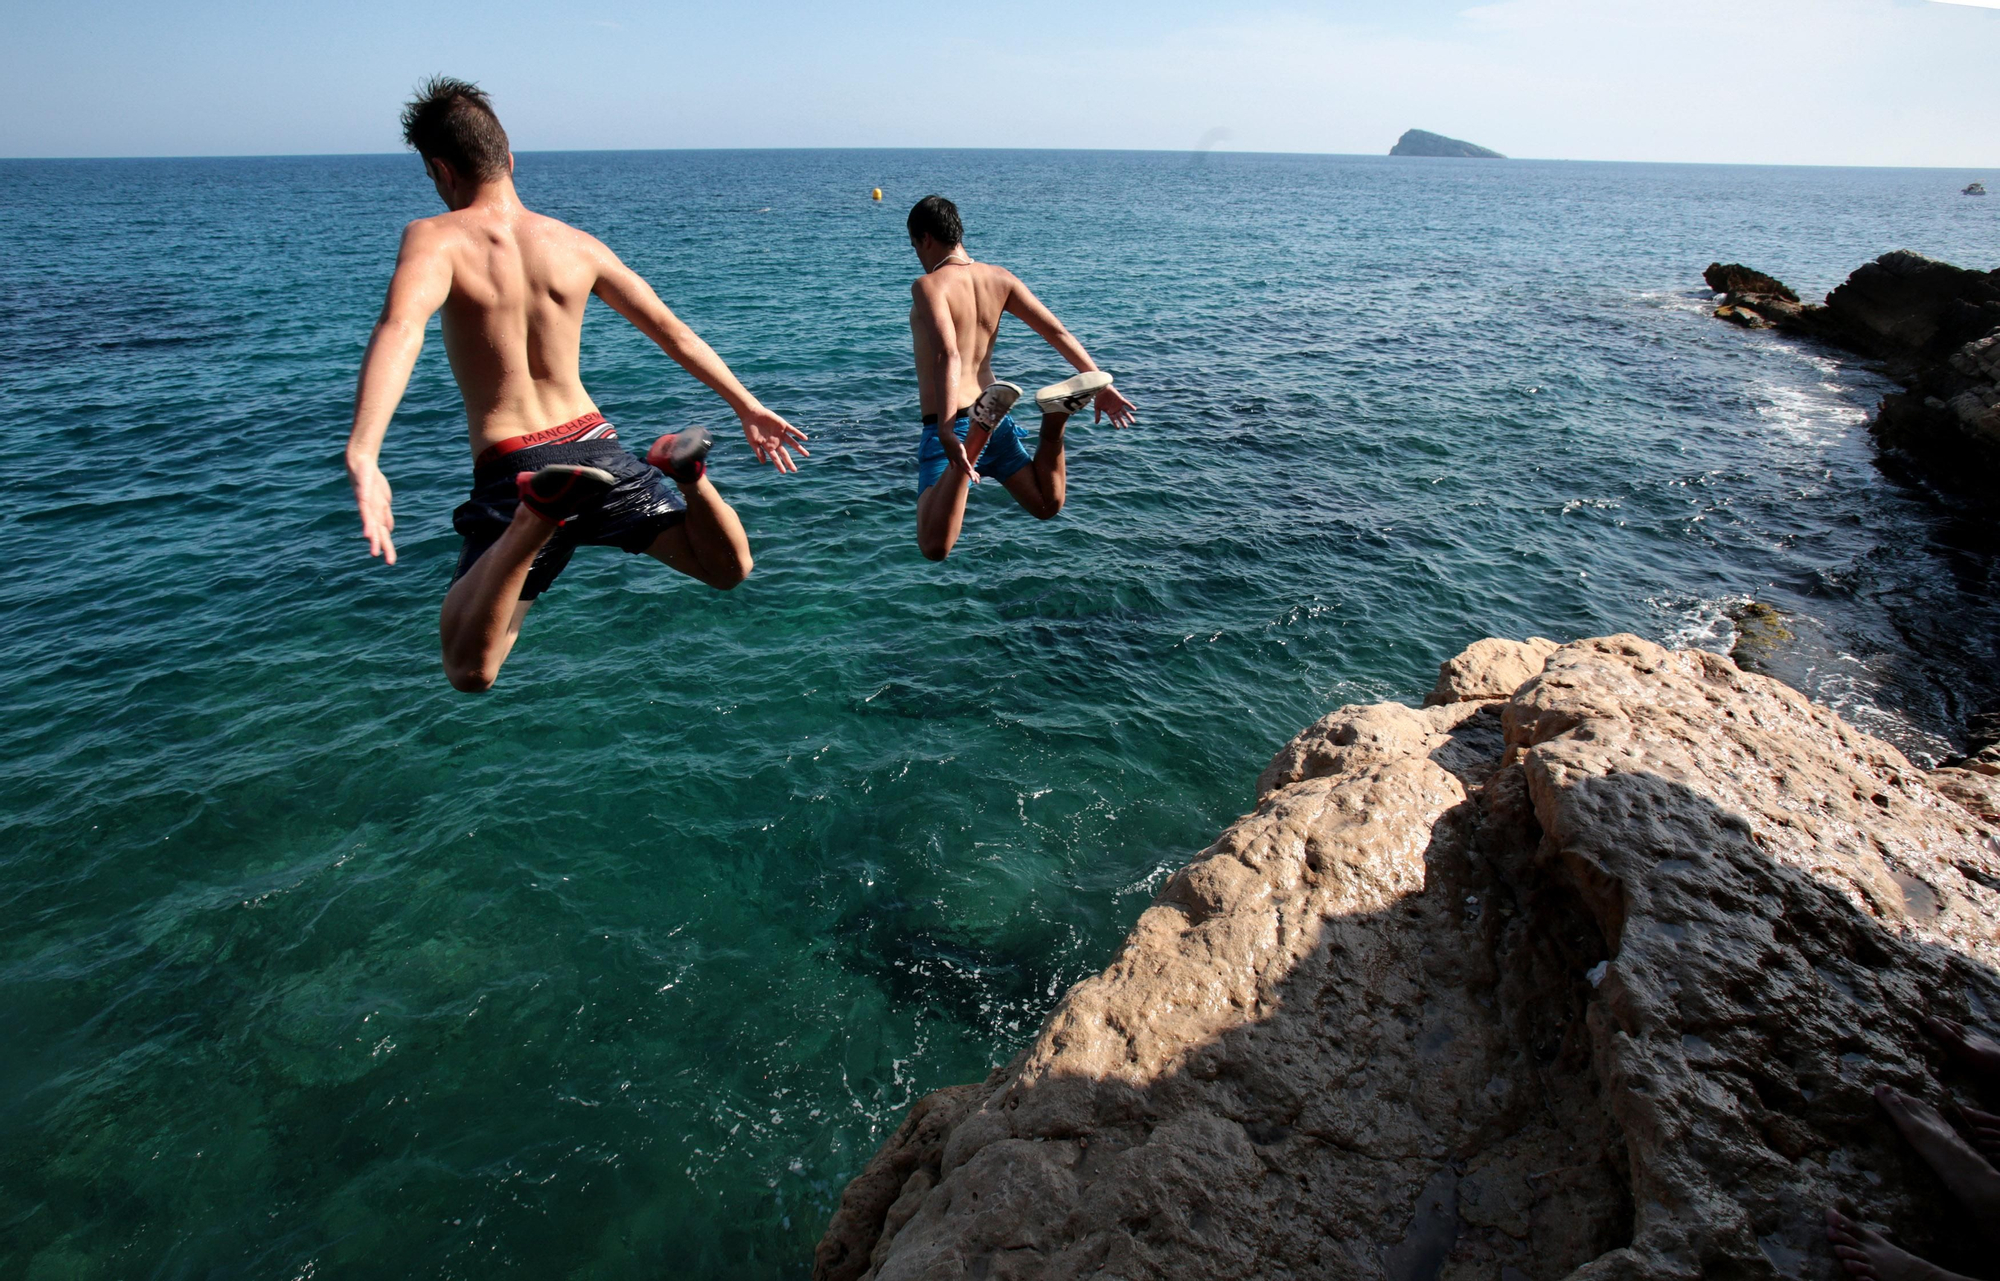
878 193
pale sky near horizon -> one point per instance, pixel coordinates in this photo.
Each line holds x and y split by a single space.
1845 82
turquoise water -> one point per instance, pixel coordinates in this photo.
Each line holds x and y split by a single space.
312 967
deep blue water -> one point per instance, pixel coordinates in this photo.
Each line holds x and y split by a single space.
312 967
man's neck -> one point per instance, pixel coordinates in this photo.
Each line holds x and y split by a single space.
496 196
940 256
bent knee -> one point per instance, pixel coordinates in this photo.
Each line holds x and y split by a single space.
471 680
1046 510
933 551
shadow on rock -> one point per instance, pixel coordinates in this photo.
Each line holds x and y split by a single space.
1595 980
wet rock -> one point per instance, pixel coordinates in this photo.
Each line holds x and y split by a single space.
1737 315
1761 635
1935 327
1735 278
1592 979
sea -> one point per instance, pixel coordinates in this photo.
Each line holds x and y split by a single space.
311 967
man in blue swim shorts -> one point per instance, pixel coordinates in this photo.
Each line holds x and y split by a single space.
954 317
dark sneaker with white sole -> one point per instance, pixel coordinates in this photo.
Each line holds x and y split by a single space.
561 490
1072 394
993 404
683 455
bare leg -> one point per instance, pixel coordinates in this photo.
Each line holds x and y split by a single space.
1043 485
1969 1178
1866 1254
483 610
710 544
941 508
1985 1129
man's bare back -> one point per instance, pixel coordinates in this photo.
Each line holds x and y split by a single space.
513 316
512 287
974 295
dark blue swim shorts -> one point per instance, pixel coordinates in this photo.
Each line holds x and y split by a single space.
641 506
1004 454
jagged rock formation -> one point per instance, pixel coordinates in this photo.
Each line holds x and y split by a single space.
1592 979
1419 142
1936 327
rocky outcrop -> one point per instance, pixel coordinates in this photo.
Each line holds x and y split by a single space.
1935 327
1489 668
1593 979
1419 142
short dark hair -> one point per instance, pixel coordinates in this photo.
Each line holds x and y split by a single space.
936 217
452 120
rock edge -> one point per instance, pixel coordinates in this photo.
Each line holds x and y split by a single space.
1593 978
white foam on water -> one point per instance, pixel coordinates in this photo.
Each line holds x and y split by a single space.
1699 623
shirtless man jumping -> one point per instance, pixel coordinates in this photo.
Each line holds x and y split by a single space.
954 318
548 474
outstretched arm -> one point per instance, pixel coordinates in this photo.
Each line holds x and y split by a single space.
419 287
1022 302
770 437
937 335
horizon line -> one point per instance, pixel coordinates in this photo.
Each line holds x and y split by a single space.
1165 151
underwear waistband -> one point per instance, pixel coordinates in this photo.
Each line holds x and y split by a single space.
930 420
589 427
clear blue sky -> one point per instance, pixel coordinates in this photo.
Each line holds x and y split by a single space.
1880 82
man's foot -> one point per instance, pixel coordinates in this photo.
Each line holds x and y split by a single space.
1964 1172
993 404
683 455
560 491
1975 1050
1866 1254
1072 394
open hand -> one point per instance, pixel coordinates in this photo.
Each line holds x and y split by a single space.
378 520
1110 404
772 439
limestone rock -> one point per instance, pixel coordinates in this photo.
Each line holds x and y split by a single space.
1489 669
1977 790
1594 981
1420 142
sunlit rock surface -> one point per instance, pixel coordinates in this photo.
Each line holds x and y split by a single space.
1594 979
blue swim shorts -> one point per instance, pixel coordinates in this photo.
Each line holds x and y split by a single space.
1004 454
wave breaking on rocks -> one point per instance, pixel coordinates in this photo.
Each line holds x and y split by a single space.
1935 327
1587 967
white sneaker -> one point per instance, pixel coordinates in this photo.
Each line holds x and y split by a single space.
993 405
1072 394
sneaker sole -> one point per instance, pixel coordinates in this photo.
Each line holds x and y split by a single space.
993 404
1072 394
570 473
690 446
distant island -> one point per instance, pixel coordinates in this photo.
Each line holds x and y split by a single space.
1418 142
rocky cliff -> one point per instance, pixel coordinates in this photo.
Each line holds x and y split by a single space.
1935 327
1585 968
1419 142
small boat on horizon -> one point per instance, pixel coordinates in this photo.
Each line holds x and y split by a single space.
1976 189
